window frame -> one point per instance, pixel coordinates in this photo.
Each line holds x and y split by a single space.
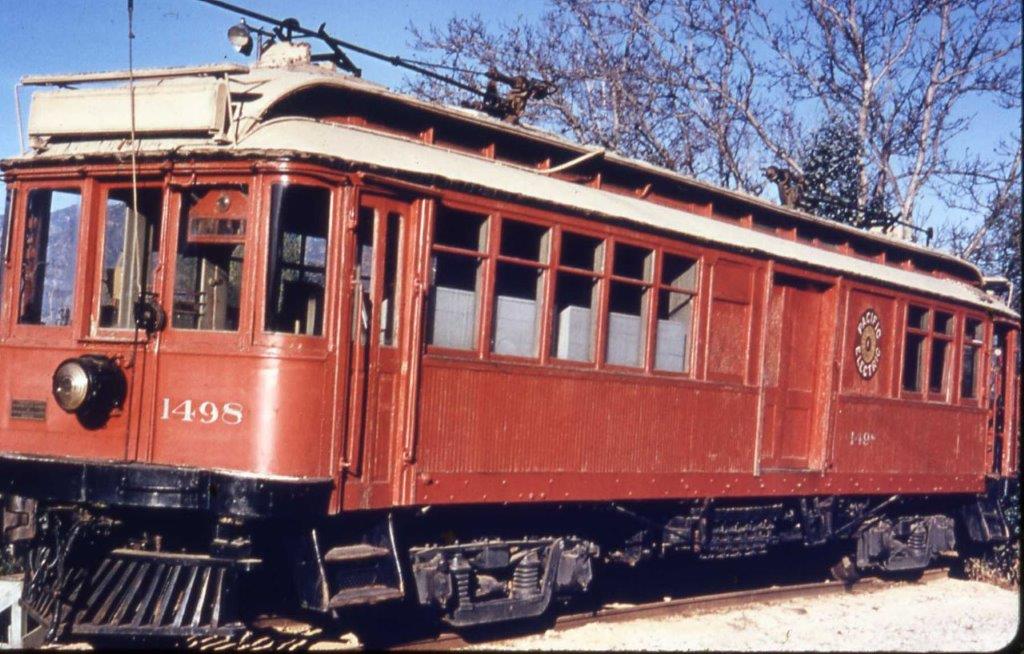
545 267
944 394
929 335
103 190
921 390
37 333
980 356
483 258
600 278
489 257
259 238
172 337
694 293
647 307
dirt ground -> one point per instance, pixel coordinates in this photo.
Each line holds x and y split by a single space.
941 615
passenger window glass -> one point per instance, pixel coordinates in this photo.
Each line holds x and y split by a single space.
388 303
675 314
627 306
941 341
524 241
678 272
582 252
633 262
937 369
627 324
131 242
48 260
461 229
572 335
517 297
519 288
917 318
973 335
454 300
912 362
456 279
210 259
297 263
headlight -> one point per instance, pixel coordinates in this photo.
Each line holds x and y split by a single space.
90 386
71 385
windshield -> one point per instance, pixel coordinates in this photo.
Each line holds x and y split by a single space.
48 262
130 252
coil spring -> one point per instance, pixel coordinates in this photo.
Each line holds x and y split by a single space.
526 578
918 538
461 571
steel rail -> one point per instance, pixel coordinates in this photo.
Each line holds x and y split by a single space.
683 606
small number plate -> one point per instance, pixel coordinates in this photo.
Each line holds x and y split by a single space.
28 410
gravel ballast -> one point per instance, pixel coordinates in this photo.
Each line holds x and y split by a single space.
941 615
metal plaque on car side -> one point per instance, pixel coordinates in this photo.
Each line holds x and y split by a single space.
28 410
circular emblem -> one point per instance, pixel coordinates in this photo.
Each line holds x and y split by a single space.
868 352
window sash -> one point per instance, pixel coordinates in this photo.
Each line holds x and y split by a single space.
552 273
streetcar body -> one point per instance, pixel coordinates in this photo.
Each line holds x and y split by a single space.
299 310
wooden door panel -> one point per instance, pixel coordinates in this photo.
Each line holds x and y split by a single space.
794 374
375 376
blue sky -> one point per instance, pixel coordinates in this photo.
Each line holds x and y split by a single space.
54 36
60 36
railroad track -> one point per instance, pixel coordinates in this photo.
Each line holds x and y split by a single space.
683 606
296 637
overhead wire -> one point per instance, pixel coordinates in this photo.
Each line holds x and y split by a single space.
136 264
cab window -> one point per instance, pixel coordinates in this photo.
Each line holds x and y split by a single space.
5 239
131 241
48 262
211 254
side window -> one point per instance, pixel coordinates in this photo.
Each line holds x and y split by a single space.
942 339
577 285
211 254
628 301
973 340
49 257
131 242
677 290
456 271
383 309
297 263
389 299
918 326
5 239
519 288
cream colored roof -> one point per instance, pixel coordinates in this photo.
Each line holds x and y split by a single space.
254 93
270 86
395 154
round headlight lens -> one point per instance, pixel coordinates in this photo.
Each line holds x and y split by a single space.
70 385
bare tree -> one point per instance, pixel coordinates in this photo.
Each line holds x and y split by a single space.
994 244
719 89
622 71
899 71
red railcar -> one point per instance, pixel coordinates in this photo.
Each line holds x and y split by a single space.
242 355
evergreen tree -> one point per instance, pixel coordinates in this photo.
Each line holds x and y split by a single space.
831 169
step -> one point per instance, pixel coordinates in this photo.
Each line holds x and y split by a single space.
358 552
365 595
